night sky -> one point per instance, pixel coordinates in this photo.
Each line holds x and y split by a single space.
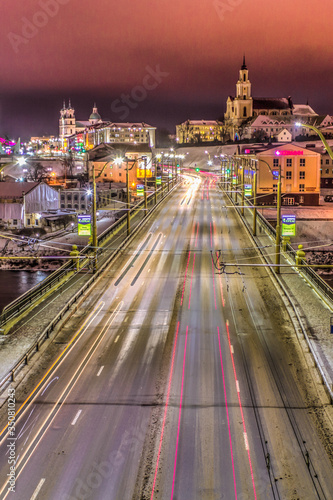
105 50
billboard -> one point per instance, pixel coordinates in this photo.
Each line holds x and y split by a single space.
288 225
84 225
140 189
248 189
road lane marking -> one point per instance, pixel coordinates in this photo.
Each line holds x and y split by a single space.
165 412
232 349
100 371
179 417
65 393
37 490
242 413
227 411
117 338
246 441
237 386
76 417
82 329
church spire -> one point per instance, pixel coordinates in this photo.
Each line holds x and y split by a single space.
244 64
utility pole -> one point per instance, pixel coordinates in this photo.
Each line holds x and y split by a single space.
94 224
254 201
278 225
145 164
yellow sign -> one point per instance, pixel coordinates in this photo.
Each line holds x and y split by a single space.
140 173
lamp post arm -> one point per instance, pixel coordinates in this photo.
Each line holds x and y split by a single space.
327 147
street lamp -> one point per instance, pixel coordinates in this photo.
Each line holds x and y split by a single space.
311 127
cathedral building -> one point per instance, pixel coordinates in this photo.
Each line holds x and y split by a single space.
242 111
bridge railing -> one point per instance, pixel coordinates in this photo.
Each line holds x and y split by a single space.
67 270
45 334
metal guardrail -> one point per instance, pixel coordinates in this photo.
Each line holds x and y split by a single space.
312 277
24 360
31 296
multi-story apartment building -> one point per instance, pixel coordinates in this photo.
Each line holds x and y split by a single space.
300 174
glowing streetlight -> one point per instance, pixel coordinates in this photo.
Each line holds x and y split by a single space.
311 127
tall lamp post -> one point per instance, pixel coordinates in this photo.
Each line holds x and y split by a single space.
119 161
278 217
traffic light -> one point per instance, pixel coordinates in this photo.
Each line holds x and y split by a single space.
197 169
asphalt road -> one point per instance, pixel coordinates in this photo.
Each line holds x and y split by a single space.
180 382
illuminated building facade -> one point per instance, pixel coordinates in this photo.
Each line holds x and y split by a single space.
300 174
197 131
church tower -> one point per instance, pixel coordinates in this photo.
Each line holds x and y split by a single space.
239 108
66 121
243 105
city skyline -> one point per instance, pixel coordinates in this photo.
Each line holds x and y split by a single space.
59 49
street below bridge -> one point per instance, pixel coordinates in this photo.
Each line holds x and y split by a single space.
174 380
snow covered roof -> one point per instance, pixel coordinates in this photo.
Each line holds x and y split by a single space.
271 120
272 103
303 110
16 189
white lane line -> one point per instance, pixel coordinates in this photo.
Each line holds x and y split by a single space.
125 320
100 371
37 490
117 338
246 441
237 386
232 349
76 417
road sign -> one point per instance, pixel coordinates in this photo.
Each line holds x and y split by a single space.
140 189
248 189
288 225
84 225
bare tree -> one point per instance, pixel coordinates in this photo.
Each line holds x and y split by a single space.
36 172
68 164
